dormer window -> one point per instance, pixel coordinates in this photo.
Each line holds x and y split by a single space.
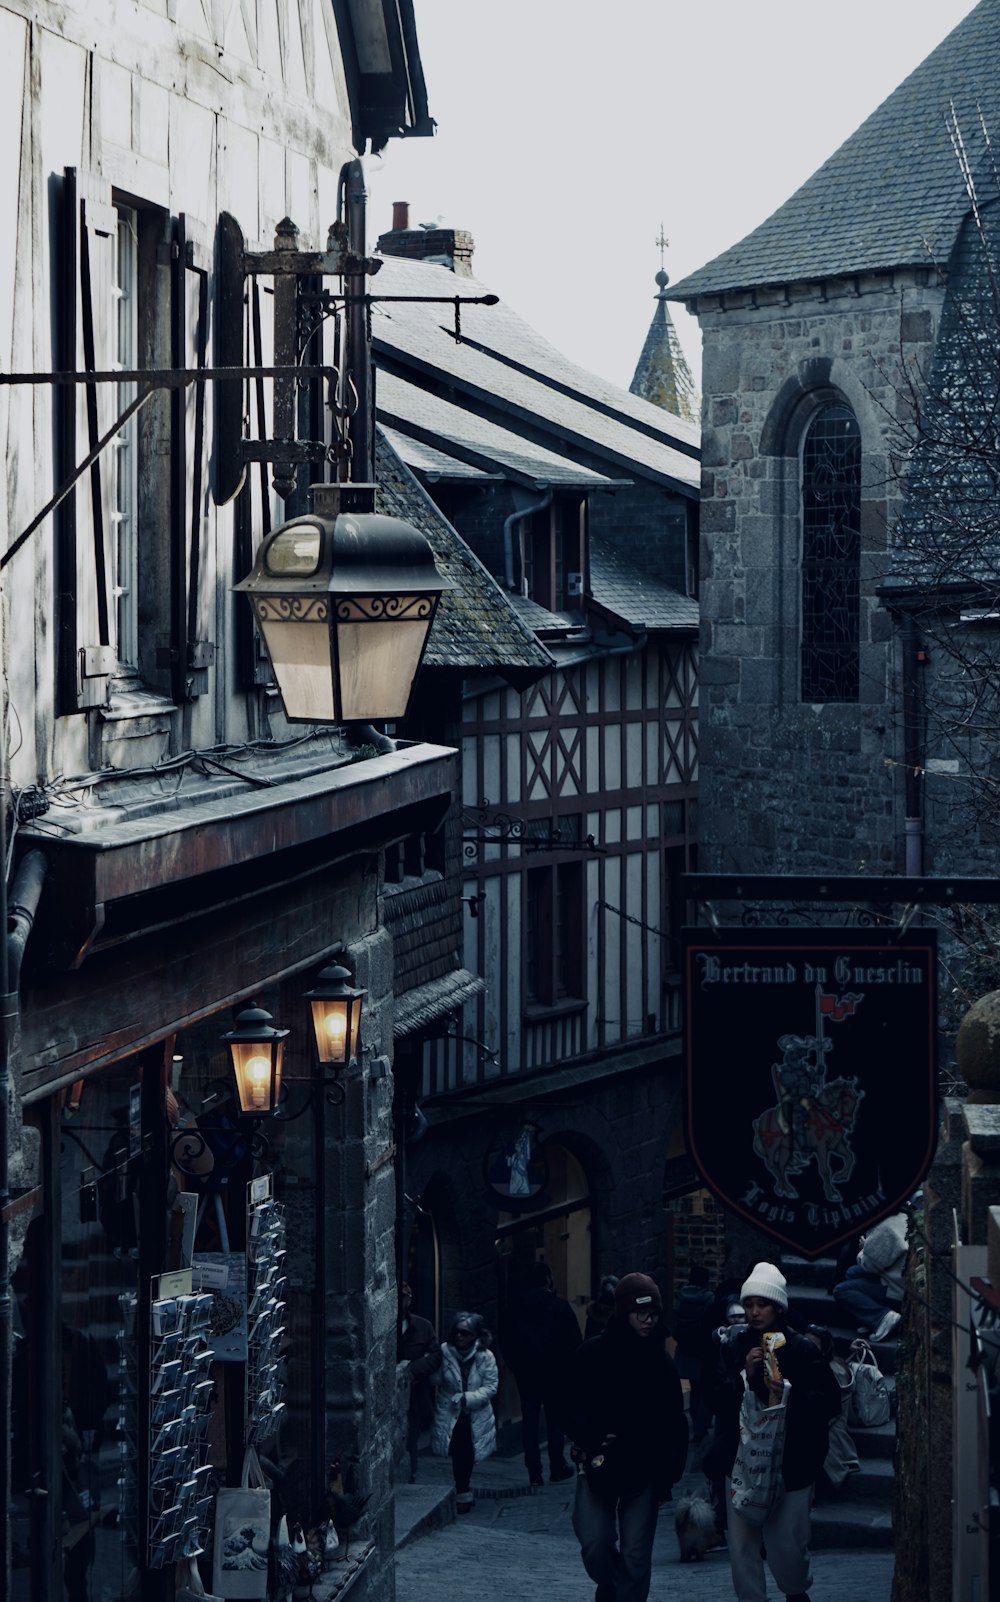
554 554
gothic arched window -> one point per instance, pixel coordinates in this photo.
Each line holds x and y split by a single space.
831 555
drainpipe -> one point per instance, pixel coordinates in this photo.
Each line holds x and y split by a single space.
359 361
912 755
17 915
508 537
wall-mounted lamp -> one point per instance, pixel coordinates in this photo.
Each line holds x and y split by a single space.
256 1049
344 599
336 1014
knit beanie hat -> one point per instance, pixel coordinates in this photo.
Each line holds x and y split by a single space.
635 1292
768 1283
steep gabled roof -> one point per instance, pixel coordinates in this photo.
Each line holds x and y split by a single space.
892 195
505 371
416 414
475 626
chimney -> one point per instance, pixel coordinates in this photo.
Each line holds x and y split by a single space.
448 247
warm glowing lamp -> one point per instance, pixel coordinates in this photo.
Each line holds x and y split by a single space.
336 1013
256 1049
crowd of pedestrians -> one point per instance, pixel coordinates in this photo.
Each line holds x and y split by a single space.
614 1414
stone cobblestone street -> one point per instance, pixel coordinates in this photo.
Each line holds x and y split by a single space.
515 1547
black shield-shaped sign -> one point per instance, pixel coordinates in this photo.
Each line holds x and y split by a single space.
811 1075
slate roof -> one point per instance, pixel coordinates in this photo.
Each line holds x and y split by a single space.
475 626
892 195
642 601
502 367
418 415
435 464
426 1003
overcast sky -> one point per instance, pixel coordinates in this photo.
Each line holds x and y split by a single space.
568 130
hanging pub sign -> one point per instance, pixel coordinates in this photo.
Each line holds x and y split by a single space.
811 1081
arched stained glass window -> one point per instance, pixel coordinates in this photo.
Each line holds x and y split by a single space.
831 556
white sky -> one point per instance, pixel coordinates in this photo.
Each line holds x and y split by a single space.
568 130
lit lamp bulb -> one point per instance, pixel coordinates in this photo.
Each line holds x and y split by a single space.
335 1029
259 1081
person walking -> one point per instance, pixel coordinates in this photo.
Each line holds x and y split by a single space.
692 1325
464 1426
625 1416
417 1345
601 1310
813 1400
542 1336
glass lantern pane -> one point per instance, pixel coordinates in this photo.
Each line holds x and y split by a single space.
295 551
300 656
377 663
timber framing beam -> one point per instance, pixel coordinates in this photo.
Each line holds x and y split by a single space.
870 889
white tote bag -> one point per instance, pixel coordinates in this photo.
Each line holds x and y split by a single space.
755 1482
242 1535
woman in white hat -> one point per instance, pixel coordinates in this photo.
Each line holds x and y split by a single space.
813 1400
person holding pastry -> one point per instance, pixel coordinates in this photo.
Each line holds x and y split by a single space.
762 1354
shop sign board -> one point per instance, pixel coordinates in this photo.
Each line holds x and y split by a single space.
811 1074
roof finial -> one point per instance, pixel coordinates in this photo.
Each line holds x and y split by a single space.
661 278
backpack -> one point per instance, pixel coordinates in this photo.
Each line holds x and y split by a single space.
869 1404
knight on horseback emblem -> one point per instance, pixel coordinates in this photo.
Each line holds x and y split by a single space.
814 1117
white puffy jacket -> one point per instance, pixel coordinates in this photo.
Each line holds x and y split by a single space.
481 1387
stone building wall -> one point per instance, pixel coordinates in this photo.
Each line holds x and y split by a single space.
784 784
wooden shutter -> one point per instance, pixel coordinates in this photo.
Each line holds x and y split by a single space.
89 231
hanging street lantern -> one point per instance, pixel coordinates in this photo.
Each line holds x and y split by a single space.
344 599
336 1016
256 1049
336 1013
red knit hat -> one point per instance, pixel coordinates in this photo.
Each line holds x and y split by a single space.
635 1292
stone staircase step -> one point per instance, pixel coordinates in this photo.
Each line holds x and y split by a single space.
850 1523
872 1482
876 1442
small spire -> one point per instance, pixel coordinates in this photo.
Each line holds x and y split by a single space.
662 374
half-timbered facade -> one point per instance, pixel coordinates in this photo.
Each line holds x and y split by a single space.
578 793
182 219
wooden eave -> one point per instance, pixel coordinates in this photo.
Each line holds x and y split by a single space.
385 76
211 851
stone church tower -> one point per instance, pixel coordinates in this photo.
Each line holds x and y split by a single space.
823 365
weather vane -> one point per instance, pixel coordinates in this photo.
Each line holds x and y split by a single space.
663 242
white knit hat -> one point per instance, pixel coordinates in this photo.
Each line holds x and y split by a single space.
768 1283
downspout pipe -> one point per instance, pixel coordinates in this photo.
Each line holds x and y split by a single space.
359 356
508 537
17 917
912 753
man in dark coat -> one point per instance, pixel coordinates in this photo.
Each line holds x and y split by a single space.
542 1335
418 1345
813 1400
625 1414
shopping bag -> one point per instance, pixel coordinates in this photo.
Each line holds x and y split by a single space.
870 1396
755 1479
242 1534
